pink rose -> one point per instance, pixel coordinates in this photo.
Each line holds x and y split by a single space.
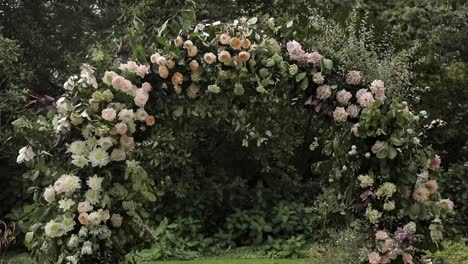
343 97
365 99
407 258
141 98
127 87
132 66
340 115
147 87
323 92
117 82
142 71
434 164
121 128
154 58
313 58
108 114
353 77
352 110
179 41
446 202
381 235
432 186
374 258
127 141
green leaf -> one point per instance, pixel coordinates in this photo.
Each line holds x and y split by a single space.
382 154
300 76
305 84
391 152
179 111
252 21
289 24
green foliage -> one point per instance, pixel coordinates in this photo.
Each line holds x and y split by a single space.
453 252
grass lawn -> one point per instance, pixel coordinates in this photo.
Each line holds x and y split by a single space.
233 261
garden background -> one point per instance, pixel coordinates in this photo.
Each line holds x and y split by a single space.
257 209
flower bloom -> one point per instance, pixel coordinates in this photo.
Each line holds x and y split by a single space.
170 64
378 89
98 157
154 57
379 146
343 97
117 155
374 258
340 115
126 115
295 50
421 194
108 114
49 194
25 154
192 51
163 72
432 186
179 41
446 202
224 56
177 78
150 121
407 258
67 183
365 99
224 39
141 98
318 78
246 43
83 218
353 77
53 229
146 87
434 164
192 91
194 65
84 207
161 61
209 58
95 182
236 43
323 92
244 56
121 128
313 58
381 235
352 110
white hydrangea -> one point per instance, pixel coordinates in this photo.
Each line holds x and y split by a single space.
53 229
78 147
67 183
105 142
95 182
92 196
98 157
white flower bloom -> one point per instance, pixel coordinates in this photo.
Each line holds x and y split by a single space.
92 196
108 77
66 204
68 224
63 105
104 214
53 229
126 115
79 161
26 153
67 184
87 75
95 182
73 241
49 194
72 259
141 115
95 218
61 124
117 155
87 248
98 157
84 207
70 83
105 142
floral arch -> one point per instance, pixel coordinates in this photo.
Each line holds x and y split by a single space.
99 192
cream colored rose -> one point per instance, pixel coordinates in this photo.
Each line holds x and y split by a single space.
224 39
188 44
161 61
163 72
192 51
83 218
193 65
209 58
246 43
179 41
141 98
224 56
154 58
236 43
170 64
177 78
244 56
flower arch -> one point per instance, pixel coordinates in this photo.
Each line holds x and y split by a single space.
99 193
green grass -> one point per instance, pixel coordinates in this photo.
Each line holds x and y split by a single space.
233 261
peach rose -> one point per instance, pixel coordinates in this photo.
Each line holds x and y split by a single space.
224 39
192 51
179 41
154 58
246 44
188 44
108 114
224 56
209 58
236 43
163 72
161 61
83 218
193 65
177 78
170 64
432 186
127 141
121 128
150 121
244 56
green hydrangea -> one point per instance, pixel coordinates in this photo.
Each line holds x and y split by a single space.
270 62
293 69
389 206
238 89
386 190
410 227
365 181
264 72
373 215
76 119
277 58
214 88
